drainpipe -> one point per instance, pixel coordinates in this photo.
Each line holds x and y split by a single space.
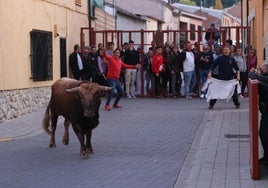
89 21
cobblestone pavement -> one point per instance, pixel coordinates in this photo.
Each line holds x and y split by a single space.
150 143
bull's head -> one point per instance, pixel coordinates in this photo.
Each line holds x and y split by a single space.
90 95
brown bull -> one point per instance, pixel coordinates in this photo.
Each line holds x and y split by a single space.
78 102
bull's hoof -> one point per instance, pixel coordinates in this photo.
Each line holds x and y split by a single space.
89 150
65 141
52 145
83 155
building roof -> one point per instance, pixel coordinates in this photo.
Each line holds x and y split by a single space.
152 8
234 11
210 19
126 12
213 12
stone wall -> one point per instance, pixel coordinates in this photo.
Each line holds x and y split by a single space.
14 103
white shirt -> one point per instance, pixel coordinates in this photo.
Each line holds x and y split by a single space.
188 64
79 60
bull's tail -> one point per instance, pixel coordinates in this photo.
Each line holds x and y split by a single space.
47 119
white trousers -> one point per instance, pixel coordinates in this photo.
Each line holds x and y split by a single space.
130 77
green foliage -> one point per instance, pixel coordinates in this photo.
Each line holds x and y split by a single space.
188 2
225 3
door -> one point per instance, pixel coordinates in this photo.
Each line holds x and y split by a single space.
63 61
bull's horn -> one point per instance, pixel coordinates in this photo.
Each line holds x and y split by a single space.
105 88
75 89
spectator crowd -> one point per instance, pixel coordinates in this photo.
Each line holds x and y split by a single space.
164 71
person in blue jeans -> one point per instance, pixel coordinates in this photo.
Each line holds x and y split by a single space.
204 62
188 59
116 85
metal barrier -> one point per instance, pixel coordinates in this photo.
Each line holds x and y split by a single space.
253 129
151 38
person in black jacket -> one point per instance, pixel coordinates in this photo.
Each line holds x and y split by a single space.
212 34
226 66
131 57
147 67
76 63
175 68
204 62
91 65
263 108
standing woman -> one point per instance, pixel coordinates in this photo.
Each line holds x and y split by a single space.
252 61
102 66
242 65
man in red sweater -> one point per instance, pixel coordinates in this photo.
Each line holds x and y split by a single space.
157 69
114 69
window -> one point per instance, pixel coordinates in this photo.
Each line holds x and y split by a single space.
78 2
41 55
192 32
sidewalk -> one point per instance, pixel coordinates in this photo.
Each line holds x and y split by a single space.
218 157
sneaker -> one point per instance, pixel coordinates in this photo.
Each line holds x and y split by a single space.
241 96
202 96
117 106
157 97
188 97
107 107
134 96
129 96
210 107
237 106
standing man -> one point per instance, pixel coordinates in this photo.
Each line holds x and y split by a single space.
175 69
226 64
147 66
114 68
212 34
263 107
91 65
188 69
131 58
75 62
204 62
158 69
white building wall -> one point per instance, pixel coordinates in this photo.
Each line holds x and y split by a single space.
127 23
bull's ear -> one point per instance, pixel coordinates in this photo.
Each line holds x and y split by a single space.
72 90
102 91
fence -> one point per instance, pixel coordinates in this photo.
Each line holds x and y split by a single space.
253 130
151 38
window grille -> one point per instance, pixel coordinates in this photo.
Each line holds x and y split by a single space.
41 55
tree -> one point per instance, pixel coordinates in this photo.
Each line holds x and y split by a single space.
188 2
209 3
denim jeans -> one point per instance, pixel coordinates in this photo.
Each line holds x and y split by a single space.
148 82
203 77
116 85
189 81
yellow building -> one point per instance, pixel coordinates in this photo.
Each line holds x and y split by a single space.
36 38
42 25
255 15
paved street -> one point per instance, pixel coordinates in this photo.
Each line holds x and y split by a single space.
149 143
